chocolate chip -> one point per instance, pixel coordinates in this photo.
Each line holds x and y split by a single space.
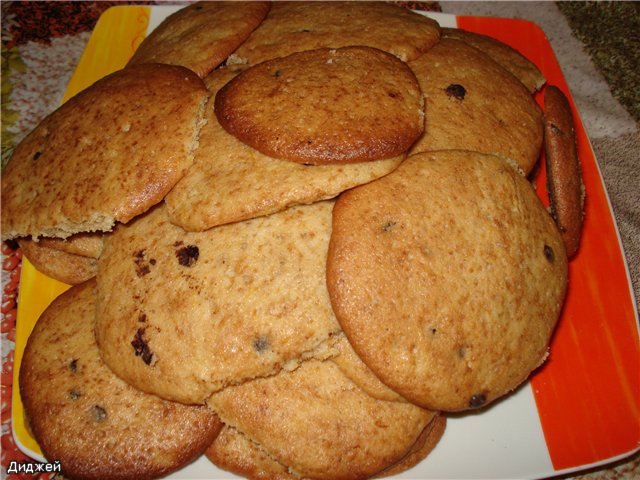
188 255
388 226
462 352
74 394
37 155
277 73
98 413
142 267
142 318
260 344
393 94
433 330
73 365
477 400
548 254
456 91
143 270
141 348
305 30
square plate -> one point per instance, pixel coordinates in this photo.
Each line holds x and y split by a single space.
579 410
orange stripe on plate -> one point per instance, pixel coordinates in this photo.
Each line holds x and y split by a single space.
588 392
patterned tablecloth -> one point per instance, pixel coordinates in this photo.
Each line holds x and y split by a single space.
42 43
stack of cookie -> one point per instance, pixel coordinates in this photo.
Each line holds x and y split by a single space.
299 234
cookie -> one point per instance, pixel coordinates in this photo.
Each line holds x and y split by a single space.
86 244
184 314
88 419
230 181
201 36
423 446
447 276
472 103
564 175
324 106
319 424
508 57
297 26
234 452
65 267
97 160
357 371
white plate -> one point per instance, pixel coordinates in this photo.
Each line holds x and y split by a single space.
526 434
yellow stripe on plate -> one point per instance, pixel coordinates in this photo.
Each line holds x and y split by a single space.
118 33
37 291
116 36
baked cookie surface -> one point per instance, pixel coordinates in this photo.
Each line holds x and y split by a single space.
85 244
63 266
106 155
564 173
426 442
201 36
345 105
472 103
297 26
183 314
447 276
234 452
230 181
319 424
91 421
359 373
509 58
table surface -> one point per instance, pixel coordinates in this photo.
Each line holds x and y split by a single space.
42 42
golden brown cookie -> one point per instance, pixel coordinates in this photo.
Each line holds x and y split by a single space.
448 276
508 57
564 175
423 446
472 103
201 36
319 424
234 452
55 263
86 244
359 373
183 314
297 26
229 181
345 105
88 419
106 155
